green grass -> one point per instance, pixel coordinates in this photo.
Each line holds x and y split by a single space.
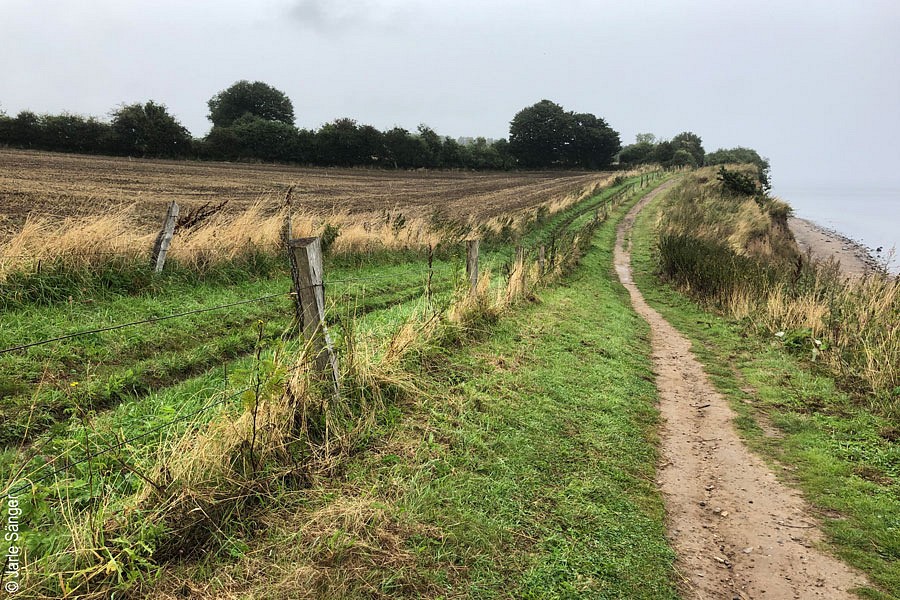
544 480
526 469
128 364
844 458
598 473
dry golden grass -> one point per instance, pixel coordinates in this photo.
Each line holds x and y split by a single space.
699 207
859 320
114 206
852 324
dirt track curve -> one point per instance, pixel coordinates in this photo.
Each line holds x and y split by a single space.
736 530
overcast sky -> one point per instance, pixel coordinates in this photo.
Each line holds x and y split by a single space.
814 86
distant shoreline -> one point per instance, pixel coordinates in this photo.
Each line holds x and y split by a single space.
855 257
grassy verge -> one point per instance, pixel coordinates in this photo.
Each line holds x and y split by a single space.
125 365
524 469
844 457
141 526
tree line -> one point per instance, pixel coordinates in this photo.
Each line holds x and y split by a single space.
253 121
686 150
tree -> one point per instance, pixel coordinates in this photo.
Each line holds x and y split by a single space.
263 139
221 143
5 128
345 143
539 134
257 98
683 158
482 155
452 154
691 143
149 130
593 144
663 153
507 161
73 133
637 154
402 149
25 130
645 138
545 135
741 155
433 146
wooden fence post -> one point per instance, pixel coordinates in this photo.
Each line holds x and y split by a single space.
472 264
428 292
164 239
287 231
306 269
519 268
542 251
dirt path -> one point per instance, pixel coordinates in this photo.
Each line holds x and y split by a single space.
737 531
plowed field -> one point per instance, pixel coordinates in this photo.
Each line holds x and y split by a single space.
75 185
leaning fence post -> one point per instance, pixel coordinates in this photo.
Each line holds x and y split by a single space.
472 264
164 239
428 292
306 269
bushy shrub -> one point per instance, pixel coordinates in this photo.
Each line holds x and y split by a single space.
737 183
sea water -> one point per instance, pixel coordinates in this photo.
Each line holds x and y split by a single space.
870 216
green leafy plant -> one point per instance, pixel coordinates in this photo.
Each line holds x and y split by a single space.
329 234
736 182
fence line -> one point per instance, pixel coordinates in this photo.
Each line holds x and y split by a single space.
151 320
141 322
621 193
123 443
162 426
123 253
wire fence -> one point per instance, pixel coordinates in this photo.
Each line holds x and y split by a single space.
31 481
125 442
393 276
139 322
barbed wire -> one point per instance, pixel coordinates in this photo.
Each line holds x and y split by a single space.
151 320
91 456
210 405
123 443
140 322
124 253
385 277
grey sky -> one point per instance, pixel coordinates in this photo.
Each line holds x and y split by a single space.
815 86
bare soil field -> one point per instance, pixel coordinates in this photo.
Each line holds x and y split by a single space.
48 184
